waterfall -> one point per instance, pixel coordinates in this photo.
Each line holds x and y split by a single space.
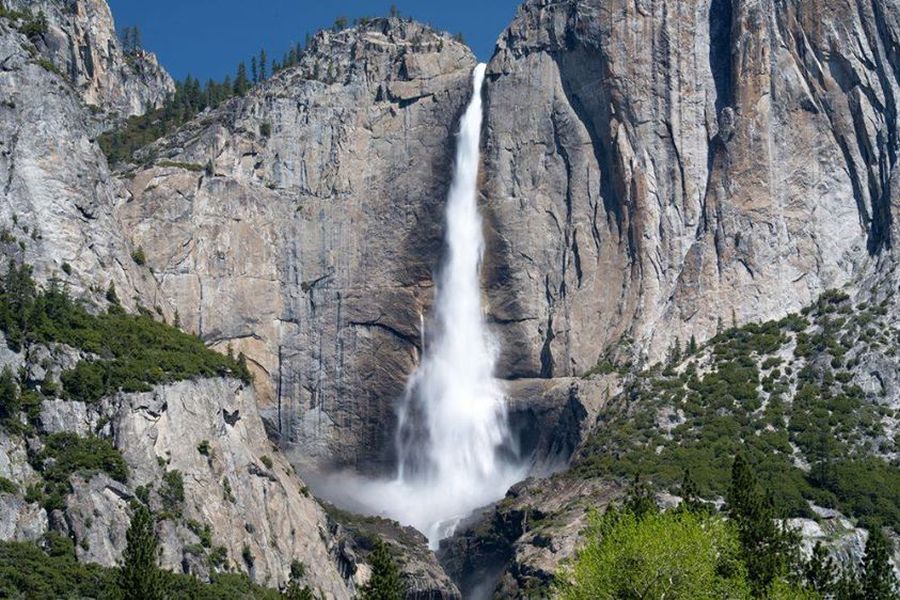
454 448
452 424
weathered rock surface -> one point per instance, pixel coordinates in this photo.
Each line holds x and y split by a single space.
424 577
198 453
310 243
653 168
57 196
241 486
19 520
82 43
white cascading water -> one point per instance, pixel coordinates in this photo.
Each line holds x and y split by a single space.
455 452
453 425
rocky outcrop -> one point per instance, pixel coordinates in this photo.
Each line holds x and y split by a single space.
514 549
425 579
81 41
197 452
301 225
57 195
656 168
22 521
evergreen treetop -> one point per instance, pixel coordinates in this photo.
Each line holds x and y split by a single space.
385 582
139 575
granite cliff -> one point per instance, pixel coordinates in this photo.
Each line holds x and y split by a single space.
307 231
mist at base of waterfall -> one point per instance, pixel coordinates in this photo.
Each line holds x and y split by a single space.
430 509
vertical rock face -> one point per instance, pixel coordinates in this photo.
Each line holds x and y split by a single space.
301 225
57 195
654 168
83 44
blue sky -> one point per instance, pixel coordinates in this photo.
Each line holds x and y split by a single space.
207 38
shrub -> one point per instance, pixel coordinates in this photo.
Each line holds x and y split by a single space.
139 257
35 25
72 454
171 493
66 454
27 571
7 486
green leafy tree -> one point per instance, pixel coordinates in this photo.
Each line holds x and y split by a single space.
675 554
139 576
878 580
385 582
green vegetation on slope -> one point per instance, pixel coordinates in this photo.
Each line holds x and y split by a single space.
190 99
30 571
30 24
671 554
782 392
66 454
637 551
131 352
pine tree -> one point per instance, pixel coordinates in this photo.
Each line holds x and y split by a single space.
139 575
878 579
675 353
385 582
295 591
847 586
692 346
820 570
263 62
241 83
769 549
395 12
640 500
690 494
254 70
10 404
137 40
